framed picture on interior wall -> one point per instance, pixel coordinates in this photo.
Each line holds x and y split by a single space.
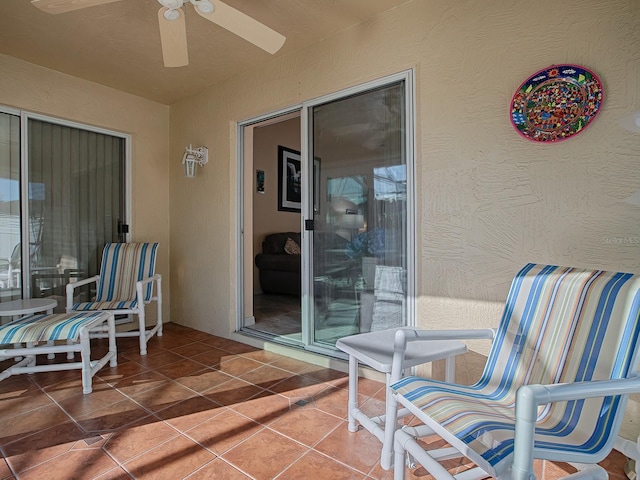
260 181
289 180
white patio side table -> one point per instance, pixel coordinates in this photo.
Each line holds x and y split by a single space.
27 306
375 349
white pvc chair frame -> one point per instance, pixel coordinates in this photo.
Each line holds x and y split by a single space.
142 333
26 356
528 398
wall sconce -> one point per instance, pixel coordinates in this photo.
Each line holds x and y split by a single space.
193 157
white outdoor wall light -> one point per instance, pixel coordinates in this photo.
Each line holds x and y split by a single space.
193 157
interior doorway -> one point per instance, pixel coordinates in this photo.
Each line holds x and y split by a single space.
275 248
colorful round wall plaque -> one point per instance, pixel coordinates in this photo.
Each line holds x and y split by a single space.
556 103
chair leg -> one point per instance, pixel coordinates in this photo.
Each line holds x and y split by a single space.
631 450
406 447
353 392
85 354
142 332
399 457
159 306
70 355
111 328
391 422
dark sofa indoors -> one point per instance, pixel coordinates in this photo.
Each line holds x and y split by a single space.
279 271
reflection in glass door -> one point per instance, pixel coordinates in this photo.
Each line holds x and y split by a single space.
359 237
76 204
10 226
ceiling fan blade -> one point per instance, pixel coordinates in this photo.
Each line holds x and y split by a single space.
173 35
244 26
63 6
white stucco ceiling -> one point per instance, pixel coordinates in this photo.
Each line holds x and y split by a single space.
118 44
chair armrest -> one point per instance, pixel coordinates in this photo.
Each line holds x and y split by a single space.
79 283
140 284
529 397
405 335
557 392
154 278
71 286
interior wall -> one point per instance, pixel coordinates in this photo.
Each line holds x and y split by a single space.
488 201
37 89
266 216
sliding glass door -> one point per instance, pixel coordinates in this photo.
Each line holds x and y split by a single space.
355 222
70 204
358 164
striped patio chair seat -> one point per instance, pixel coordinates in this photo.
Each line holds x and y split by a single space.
560 325
43 327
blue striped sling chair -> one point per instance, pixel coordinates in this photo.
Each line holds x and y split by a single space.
124 286
561 366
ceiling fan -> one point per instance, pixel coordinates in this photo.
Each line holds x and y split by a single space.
173 33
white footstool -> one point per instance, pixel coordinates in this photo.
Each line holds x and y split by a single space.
38 334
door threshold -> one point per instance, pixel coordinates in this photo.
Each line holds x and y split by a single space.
288 340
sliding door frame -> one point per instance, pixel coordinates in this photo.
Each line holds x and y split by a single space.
25 116
305 110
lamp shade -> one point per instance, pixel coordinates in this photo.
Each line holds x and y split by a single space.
351 221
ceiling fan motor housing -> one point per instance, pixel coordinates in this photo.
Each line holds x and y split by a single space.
204 6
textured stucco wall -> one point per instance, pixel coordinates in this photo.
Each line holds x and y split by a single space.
488 201
37 89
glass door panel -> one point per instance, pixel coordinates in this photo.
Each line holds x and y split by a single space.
359 258
76 204
10 226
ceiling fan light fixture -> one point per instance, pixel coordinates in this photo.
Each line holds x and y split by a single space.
171 9
204 6
171 14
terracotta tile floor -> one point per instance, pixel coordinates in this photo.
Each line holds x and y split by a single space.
197 407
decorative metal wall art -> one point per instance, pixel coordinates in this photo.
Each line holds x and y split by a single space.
556 103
